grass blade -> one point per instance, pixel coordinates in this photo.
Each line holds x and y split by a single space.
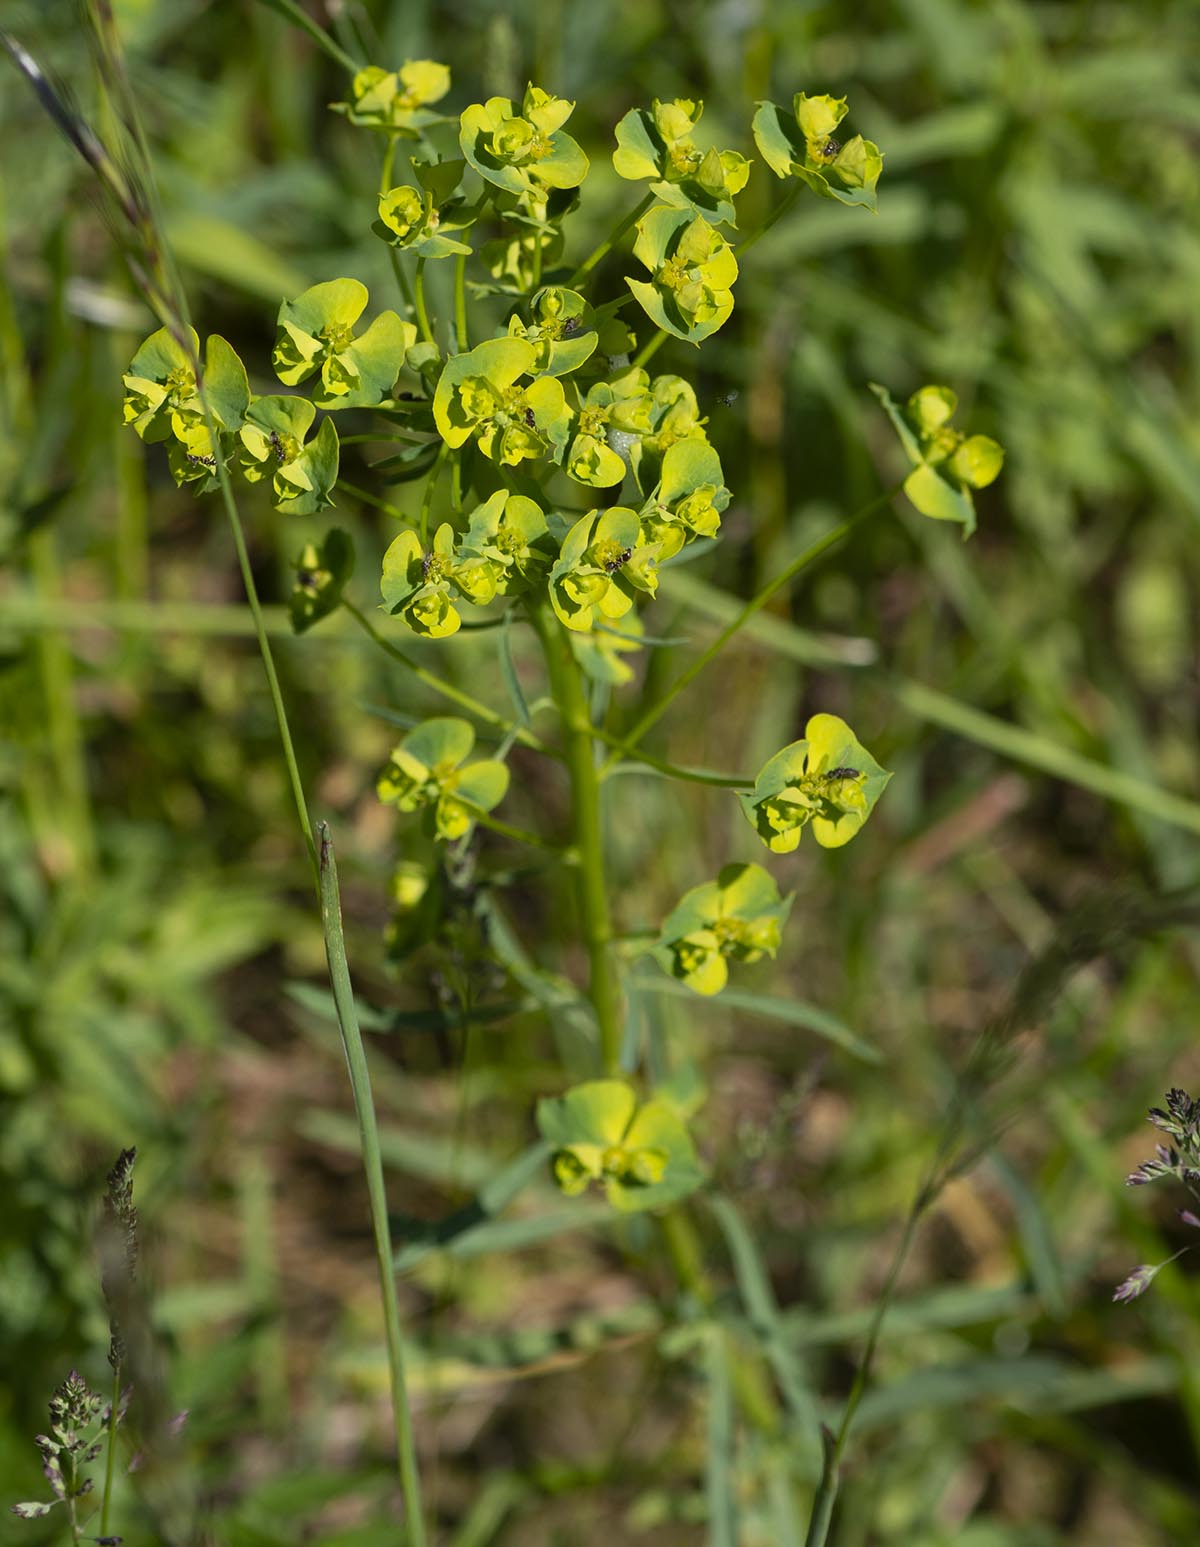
360 1083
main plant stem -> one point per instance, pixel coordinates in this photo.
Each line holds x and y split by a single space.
570 699
111 1457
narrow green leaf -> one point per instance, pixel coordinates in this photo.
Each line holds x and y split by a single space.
793 1012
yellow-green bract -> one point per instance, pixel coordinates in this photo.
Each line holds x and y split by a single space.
316 333
605 560
525 152
947 465
478 397
829 780
738 916
273 445
397 101
421 585
802 144
643 1156
656 143
424 771
691 293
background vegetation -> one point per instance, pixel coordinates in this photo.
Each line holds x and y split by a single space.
161 975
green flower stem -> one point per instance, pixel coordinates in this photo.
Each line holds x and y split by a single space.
517 834
431 483
780 209
419 300
638 758
447 690
320 37
610 241
360 1084
111 1458
652 345
756 603
373 499
570 698
389 161
385 183
456 481
402 280
462 336
397 435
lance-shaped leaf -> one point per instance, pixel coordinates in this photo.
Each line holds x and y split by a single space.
429 770
316 333
322 573
828 779
643 1156
947 465
693 268
802 144
738 917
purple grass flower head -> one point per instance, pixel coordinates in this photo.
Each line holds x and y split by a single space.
1136 1284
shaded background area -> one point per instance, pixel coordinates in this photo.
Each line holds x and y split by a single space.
1036 248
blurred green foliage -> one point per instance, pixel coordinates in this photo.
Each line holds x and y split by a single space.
1035 693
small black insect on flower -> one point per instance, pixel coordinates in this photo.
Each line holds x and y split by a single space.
841 773
276 446
830 149
426 561
614 564
530 420
195 459
572 326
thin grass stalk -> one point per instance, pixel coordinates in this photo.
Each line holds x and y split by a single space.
298 18
110 1460
148 225
364 1107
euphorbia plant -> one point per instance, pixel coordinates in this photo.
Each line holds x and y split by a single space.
561 476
